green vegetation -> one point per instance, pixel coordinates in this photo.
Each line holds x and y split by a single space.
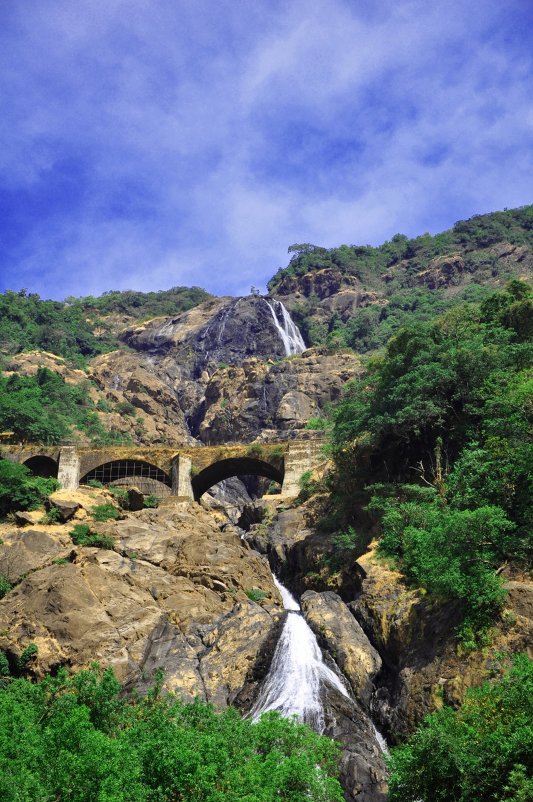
5 586
480 752
51 516
77 329
82 535
151 502
141 305
256 594
439 432
364 261
78 739
20 490
395 270
45 409
255 450
308 486
105 512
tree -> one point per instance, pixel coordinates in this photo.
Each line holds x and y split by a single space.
483 751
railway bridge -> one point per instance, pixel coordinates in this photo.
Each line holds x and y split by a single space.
185 472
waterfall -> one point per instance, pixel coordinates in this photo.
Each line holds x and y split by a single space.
298 671
287 329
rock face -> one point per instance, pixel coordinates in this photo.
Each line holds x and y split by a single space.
362 768
218 373
335 627
172 595
422 668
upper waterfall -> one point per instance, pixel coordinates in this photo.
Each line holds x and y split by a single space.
298 671
286 327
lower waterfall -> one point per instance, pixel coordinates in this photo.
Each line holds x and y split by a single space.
293 684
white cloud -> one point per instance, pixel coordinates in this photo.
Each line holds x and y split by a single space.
201 141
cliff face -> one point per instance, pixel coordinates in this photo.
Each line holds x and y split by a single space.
172 594
219 373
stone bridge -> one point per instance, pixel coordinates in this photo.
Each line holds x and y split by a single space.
184 472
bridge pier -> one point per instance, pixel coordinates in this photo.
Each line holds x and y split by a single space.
68 471
181 477
302 456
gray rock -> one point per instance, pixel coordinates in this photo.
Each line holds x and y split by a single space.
23 518
66 508
335 626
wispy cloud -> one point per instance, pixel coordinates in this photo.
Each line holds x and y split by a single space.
190 142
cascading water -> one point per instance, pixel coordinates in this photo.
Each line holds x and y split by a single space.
287 329
293 685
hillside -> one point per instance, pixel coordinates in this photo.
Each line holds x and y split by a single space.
358 296
407 550
175 365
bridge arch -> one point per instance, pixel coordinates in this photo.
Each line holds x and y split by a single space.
42 465
129 471
233 466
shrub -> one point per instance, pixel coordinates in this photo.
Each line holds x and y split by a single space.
102 405
480 752
51 516
82 535
79 739
20 489
452 553
105 512
5 586
29 653
255 450
316 424
256 594
308 486
125 408
94 483
151 501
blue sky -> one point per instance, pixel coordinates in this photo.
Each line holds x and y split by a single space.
151 143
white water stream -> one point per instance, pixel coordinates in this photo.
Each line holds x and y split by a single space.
298 671
286 327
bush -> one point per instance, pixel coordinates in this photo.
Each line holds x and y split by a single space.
94 483
105 512
5 586
255 450
308 486
20 489
480 752
125 408
256 594
82 535
317 424
79 739
28 654
151 502
452 553
51 516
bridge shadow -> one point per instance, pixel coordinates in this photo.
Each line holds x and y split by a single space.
233 466
41 465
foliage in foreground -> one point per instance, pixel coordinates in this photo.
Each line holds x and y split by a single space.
76 739
20 489
483 751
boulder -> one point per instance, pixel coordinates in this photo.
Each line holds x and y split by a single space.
336 628
135 500
66 508
24 518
